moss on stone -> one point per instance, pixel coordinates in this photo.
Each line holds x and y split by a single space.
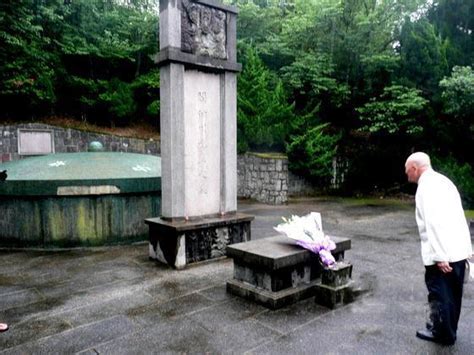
270 155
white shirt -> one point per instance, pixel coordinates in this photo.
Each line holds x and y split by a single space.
442 225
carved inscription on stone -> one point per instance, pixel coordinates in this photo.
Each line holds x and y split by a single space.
202 148
203 30
202 142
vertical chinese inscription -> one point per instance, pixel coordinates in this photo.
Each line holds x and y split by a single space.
202 141
202 144
203 30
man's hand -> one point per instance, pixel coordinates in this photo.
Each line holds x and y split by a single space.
444 266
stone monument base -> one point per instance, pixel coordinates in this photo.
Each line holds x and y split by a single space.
275 272
181 242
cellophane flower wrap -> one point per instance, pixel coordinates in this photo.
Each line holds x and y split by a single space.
308 233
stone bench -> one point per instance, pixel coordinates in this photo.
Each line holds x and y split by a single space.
276 272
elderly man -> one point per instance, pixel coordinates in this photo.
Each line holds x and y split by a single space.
445 246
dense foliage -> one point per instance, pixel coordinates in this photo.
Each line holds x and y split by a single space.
383 77
264 115
358 82
91 59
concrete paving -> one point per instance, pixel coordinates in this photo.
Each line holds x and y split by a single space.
115 300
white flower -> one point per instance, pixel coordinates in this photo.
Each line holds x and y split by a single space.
308 233
307 228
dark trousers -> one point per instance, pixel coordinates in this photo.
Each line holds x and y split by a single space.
444 298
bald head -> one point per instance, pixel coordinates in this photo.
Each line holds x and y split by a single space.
416 164
420 159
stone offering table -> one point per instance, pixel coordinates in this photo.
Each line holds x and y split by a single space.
276 272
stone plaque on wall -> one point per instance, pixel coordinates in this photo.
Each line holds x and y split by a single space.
35 142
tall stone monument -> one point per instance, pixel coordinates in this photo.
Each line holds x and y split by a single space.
198 102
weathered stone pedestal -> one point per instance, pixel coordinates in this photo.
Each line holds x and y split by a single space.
180 242
276 272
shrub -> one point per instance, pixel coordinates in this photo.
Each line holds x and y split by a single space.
119 101
311 153
461 174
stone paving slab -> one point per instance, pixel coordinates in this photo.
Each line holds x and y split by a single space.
79 338
116 301
19 298
227 313
31 331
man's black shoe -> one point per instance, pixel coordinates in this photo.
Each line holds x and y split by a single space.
426 334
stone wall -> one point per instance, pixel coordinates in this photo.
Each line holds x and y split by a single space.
265 178
71 140
298 186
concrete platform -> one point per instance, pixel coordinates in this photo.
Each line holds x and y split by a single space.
115 301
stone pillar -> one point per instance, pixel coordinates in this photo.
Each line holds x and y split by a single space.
198 94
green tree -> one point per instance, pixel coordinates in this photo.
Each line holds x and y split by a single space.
56 56
397 110
107 41
119 101
423 56
458 94
264 116
454 22
27 68
457 127
312 82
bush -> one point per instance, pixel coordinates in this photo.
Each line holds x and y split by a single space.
461 174
119 102
311 153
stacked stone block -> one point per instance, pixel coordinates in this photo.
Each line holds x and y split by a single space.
266 178
8 144
263 178
298 186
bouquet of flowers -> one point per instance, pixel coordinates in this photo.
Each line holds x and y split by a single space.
307 231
